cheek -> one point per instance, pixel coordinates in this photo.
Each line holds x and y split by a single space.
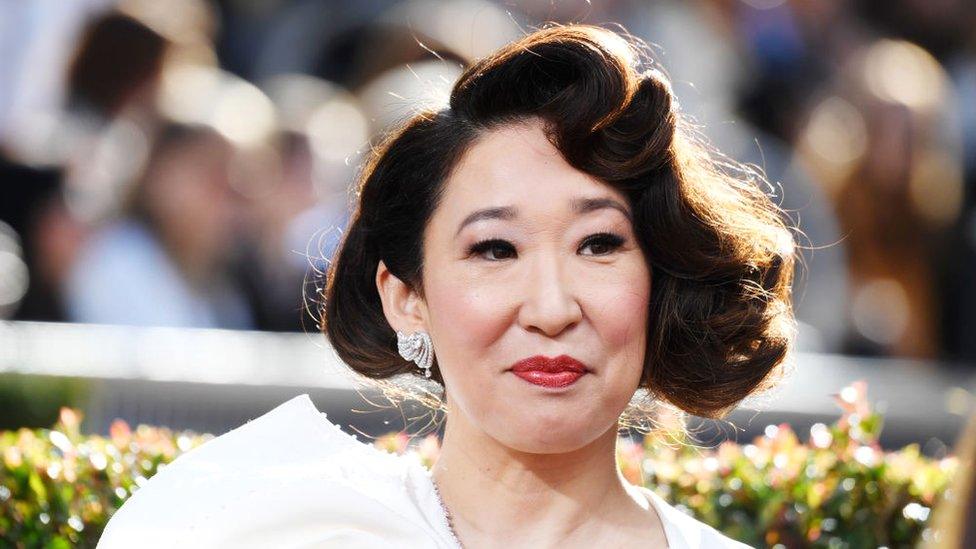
467 315
618 308
619 315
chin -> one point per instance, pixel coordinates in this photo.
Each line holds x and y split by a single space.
548 446
552 437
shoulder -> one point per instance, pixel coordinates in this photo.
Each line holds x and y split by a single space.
110 246
288 477
106 284
685 531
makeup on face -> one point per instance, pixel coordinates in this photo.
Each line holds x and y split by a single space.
558 372
536 294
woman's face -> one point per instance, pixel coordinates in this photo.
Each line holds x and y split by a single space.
558 272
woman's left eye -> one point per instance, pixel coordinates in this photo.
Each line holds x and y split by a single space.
600 244
603 243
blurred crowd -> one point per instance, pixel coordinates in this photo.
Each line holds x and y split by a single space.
188 163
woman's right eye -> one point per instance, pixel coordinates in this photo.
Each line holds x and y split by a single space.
499 249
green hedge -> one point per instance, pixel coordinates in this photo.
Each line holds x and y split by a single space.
837 489
34 400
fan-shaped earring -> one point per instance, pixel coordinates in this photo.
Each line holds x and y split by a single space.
418 348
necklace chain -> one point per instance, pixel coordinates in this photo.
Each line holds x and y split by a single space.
447 514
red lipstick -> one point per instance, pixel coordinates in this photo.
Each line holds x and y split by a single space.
561 371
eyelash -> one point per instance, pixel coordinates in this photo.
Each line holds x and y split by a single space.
614 241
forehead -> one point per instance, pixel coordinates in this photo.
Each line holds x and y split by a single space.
517 165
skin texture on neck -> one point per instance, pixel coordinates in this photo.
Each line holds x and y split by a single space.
500 497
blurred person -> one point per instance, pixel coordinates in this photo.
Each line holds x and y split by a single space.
33 210
112 72
37 41
954 518
959 291
297 196
113 77
115 96
116 68
292 231
549 255
791 49
32 202
710 67
296 38
882 141
123 57
798 55
163 262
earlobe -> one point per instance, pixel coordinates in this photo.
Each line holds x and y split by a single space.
400 302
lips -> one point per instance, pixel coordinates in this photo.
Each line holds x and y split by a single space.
561 371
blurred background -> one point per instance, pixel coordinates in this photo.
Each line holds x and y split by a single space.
174 176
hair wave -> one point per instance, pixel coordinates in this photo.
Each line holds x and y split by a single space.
720 251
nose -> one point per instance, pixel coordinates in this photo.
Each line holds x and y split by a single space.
549 305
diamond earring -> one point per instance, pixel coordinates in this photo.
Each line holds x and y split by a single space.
418 348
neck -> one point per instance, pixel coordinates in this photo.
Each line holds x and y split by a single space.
498 493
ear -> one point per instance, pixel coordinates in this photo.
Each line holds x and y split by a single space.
402 306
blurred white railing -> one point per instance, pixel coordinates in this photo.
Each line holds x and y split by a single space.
171 354
134 367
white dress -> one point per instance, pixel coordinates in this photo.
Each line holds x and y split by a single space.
291 478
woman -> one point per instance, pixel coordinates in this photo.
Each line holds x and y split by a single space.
543 249
175 235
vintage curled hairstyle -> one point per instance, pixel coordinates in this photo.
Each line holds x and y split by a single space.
720 251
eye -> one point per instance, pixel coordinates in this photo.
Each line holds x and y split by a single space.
600 244
603 243
491 245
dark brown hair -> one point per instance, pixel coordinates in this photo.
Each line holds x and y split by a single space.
116 56
720 251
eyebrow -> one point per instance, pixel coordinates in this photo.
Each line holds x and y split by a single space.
580 206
